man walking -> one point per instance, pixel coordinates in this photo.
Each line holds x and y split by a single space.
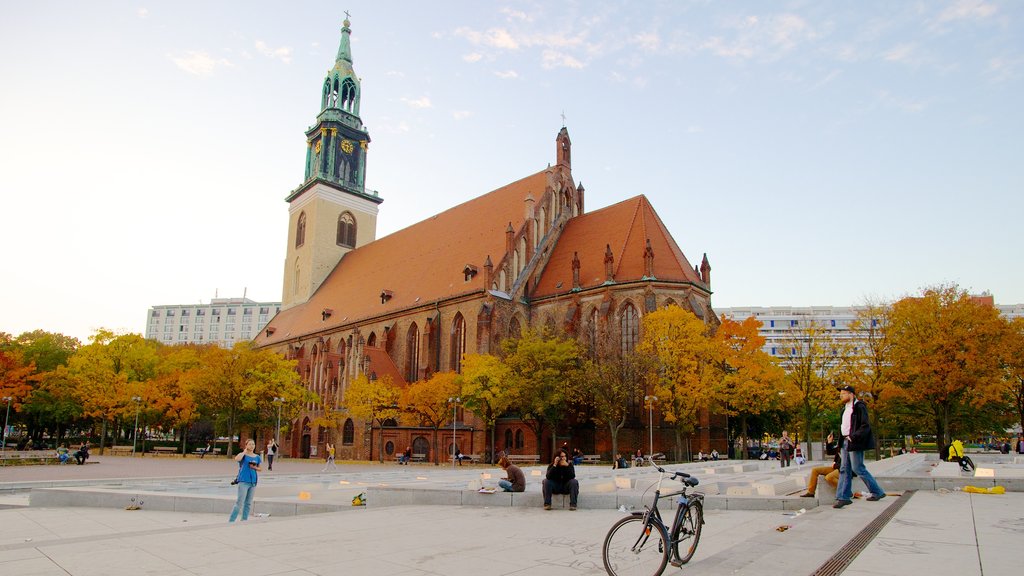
856 438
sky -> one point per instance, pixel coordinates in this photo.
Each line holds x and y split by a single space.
819 152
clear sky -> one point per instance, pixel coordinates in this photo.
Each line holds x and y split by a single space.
820 152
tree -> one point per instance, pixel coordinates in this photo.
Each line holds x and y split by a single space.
16 379
542 372
427 401
811 357
47 350
612 383
1012 362
485 390
371 400
866 365
751 379
945 355
685 366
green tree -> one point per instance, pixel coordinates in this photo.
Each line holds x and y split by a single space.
543 371
486 390
811 356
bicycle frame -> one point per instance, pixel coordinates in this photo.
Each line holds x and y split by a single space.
653 513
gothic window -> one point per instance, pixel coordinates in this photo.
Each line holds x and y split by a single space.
348 433
458 345
514 330
629 328
524 257
669 302
300 230
372 340
332 100
519 439
325 101
412 354
295 278
592 333
348 95
508 440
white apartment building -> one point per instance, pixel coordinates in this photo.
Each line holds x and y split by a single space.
779 323
224 321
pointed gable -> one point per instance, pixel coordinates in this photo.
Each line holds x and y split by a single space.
625 228
422 263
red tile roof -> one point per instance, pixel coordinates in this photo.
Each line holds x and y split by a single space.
419 264
625 227
382 365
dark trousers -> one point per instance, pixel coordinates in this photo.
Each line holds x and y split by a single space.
270 461
570 487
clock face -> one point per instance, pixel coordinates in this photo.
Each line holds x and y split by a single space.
346 146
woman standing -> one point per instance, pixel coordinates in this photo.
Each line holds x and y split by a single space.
330 458
248 467
271 452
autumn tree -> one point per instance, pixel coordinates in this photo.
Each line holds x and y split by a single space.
866 363
543 371
16 379
371 400
486 390
685 369
428 403
750 379
612 384
1012 363
811 356
945 355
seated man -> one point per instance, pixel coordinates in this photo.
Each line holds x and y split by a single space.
831 473
406 456
63 454
561 479
204 451
83 454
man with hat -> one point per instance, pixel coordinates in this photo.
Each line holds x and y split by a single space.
856 437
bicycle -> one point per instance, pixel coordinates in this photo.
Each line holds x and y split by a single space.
640 544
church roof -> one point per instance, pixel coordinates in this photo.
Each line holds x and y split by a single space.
419 264
625 228
382 365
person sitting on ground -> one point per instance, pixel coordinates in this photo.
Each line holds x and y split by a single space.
406 456
561 479
83 453
620 462
514 480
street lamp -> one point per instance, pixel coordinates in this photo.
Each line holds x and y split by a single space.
455 406
279 402
3 441
650 400
135 432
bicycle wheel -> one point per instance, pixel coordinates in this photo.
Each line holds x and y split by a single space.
631 550
688 534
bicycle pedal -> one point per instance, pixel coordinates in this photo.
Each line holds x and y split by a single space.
676 563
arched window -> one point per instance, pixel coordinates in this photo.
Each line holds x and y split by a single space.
524 257
592 333
347 230
519 439
514 330
348 433
629 328
458 343
348 94
412 355
300 230
508 440
372 340
295 277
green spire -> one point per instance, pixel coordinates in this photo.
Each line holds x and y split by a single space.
345 48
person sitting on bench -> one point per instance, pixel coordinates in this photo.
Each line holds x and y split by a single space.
83 454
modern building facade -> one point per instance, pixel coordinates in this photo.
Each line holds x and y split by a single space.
224 321
413 303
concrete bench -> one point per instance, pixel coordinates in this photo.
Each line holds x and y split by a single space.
779 486
523 458
44 456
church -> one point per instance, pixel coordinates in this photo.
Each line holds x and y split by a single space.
412 303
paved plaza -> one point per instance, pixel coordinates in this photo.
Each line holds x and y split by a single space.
933 532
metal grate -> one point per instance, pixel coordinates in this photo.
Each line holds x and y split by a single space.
845 556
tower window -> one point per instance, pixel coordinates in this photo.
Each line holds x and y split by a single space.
347 230
300 230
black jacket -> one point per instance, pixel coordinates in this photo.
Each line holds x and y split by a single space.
861 438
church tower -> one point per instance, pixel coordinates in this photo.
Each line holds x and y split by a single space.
331 212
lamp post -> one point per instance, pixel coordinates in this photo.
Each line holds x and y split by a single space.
135 432
455 406
279 401
650 400
3 441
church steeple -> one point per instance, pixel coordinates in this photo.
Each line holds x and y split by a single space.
332 212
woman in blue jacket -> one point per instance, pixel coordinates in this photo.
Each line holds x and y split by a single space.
248 467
